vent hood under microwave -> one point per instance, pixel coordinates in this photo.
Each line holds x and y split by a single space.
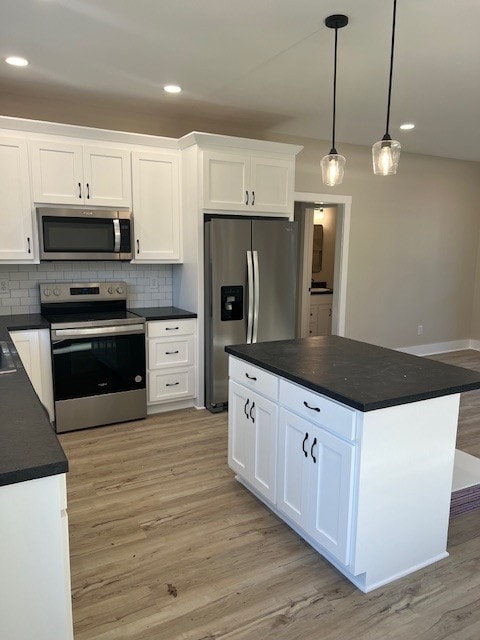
84 234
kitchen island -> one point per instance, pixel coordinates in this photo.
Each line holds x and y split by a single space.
352 445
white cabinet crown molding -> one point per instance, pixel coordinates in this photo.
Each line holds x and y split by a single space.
209 140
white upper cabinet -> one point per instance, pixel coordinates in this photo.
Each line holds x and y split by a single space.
69 173
245 182
156 206
16 243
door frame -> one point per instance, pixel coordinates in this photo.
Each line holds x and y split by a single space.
342 239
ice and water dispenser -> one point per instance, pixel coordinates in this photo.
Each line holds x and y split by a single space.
232 303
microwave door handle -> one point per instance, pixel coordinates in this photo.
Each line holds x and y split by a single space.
117 236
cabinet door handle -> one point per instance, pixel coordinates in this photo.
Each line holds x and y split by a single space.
246 197
138 246
80 190
303 445
317 409
170 353
253 198
245 407
251 409
311 450
172 384
28 245
251 377
88 191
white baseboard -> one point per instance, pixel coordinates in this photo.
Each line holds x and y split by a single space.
441 347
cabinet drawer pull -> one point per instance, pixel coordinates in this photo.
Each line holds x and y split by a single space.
246 197
253 198
305 403
79 189
245 407
311 450
172 328
170 353
303 445
251 409
251 377
172 384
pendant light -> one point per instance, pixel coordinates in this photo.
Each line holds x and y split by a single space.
386 152
333 165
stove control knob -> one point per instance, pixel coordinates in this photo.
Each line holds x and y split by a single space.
47 292
119 290
56 292
111 289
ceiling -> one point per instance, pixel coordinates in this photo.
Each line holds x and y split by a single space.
268 63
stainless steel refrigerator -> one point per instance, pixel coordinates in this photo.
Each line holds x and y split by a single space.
250 291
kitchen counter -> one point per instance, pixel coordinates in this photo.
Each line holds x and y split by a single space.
163 313
360 375
29 447
352 445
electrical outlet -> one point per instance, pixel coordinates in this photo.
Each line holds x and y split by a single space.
3 286
419 329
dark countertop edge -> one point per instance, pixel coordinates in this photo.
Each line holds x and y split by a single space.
364 407
33 473
29 470
162 313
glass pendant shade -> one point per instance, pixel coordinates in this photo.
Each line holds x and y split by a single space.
385 156
333 168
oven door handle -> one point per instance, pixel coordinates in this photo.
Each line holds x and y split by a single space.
93 332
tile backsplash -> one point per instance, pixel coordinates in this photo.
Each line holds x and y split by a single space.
148 285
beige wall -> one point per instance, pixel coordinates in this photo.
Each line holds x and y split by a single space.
414 237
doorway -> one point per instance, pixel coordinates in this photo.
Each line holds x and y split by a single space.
305 206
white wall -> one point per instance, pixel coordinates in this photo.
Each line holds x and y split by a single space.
413 244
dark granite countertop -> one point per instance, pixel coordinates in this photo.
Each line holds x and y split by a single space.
163 313
29 447
360 375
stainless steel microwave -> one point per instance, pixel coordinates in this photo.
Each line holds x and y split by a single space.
84 234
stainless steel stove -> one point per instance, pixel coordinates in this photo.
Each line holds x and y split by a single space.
98 354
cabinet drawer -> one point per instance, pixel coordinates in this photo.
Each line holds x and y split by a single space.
167 352
253 377
171 385
326 413
169 328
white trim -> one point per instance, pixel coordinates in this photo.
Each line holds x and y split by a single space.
440 347
214 140
344 204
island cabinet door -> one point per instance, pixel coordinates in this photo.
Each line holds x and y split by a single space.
331 493
252 448
294 467
315 483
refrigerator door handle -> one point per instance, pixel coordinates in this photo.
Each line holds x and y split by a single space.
250 284
256 282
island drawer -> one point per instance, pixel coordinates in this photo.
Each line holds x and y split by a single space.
253 378
331 415
169 328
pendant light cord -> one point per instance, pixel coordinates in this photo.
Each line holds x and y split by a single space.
334 92
391 69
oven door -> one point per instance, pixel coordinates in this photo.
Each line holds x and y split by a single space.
94 361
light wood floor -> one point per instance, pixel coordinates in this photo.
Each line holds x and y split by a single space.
165 545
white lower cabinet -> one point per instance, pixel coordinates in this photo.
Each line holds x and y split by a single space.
170 360
315 482
252 438
34 560
33 348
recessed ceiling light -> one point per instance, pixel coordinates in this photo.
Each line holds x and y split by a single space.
16 61
172 88
407 125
